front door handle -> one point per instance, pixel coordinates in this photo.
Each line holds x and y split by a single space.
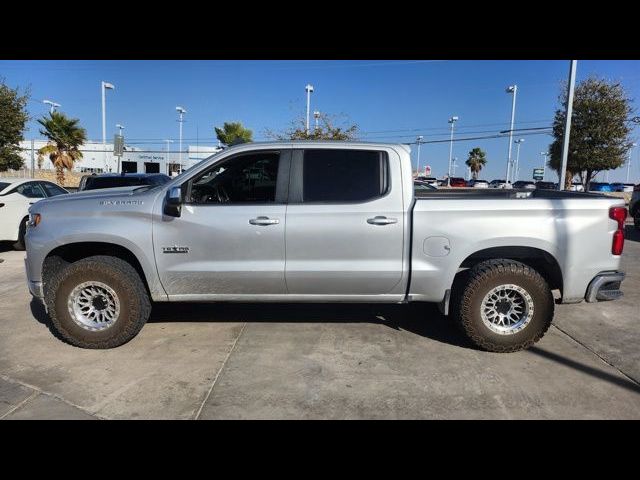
264 221
381 220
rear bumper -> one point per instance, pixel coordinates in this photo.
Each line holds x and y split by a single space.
605 286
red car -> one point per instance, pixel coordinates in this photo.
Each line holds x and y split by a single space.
457 182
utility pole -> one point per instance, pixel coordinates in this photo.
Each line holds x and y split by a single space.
516 169
181 111
33 160
567 124
316 116
419 140
514 90
309 90
103 87
452 121
629 161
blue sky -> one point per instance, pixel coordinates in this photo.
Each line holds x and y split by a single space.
389 100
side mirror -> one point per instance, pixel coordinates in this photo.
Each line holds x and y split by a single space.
173 202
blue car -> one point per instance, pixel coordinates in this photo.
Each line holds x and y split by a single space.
600 187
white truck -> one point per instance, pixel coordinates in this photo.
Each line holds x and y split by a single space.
321 222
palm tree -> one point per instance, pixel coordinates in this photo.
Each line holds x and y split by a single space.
477 159
233 133
65 138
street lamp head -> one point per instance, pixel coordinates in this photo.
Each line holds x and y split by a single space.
181 110
121 127
316 114
108 85
520 140
419 138
453 119
511 89
49 102
308 88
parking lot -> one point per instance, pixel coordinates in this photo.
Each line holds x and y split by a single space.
214 361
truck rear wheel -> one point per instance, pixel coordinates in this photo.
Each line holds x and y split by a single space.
505 306
97 302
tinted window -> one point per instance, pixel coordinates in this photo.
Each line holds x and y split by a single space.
31 190
343 175
244 179
3 185
94 183
53 189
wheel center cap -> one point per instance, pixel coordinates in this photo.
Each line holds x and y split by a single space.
99 302
503 306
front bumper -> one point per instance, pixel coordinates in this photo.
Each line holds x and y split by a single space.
35 288
605 286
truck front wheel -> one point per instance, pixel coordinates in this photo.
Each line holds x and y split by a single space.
97 302
505 306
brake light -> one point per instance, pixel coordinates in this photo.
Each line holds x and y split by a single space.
619 214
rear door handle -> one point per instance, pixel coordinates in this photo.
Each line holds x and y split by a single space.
264 221
381 220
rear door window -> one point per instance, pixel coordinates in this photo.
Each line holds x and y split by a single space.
31 190
344 176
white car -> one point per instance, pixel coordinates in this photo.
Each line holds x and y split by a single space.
16 196
478 184
499 184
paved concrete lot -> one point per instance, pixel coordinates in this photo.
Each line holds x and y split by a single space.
319 361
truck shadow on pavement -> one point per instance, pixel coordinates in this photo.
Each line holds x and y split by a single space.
631 233
421 319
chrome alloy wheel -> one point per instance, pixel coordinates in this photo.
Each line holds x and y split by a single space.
507 309
94 306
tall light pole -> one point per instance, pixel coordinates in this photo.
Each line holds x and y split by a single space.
53 105
419 141
544 163
454 165
309 90
516 169
168 142
104 86
120 127
514 90
452 122
181 111
316 116
629 161
567 124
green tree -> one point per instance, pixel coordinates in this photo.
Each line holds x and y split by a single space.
13 118
600 130
326 130
66 137
477 159
233 133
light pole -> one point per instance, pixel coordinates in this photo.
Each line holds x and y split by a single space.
544 163
103 88
454 165
452 122
516 169
168 142
514 90
181 111
309 90
316 116
120 127
53 105
419 140
567 125
629 161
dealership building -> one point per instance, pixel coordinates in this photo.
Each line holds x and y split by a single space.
98 159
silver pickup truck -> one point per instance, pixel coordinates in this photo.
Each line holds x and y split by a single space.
320 222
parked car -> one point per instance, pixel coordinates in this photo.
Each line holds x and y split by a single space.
478 183
577 187
600 187
429 180
442 182
16 195
354 230
622 187
524 184
457 182
422 186
499 184
541 185
112 180
634 206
